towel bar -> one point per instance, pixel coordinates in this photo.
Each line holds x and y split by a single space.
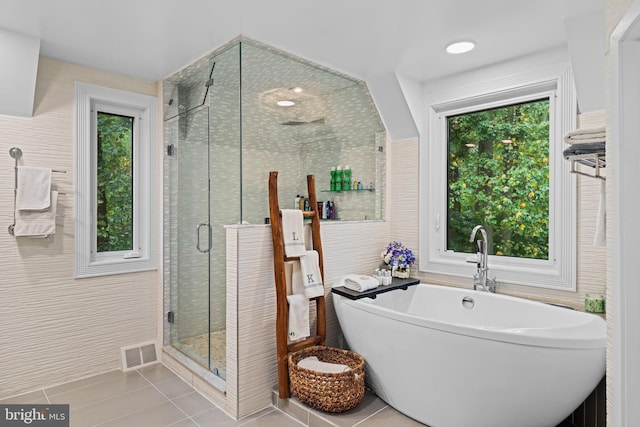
16 153
596 161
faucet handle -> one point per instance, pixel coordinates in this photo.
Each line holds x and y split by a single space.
491 284
472 259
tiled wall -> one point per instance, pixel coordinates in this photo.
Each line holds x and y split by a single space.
348 247
54 327
348 135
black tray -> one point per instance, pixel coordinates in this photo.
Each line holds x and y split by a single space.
396 283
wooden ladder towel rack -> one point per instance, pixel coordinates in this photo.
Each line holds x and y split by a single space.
279 259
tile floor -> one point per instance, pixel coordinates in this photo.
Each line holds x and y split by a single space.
154 396
370 412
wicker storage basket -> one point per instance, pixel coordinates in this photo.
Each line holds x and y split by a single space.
329 392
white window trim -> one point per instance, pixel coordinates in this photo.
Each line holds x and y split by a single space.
88 262
559 271
623 352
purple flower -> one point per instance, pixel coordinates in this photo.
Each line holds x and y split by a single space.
398 255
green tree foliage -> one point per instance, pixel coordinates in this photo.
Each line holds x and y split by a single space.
504 186
115 183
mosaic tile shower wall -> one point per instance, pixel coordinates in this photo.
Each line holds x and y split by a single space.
333 122
229 137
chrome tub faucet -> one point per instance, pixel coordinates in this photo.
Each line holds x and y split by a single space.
481 280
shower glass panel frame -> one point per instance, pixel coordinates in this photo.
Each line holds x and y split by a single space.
192 235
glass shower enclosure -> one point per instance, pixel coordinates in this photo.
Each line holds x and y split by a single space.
202 194
223 132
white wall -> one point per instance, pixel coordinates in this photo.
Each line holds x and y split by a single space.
55 328
19 58
348 247
585 36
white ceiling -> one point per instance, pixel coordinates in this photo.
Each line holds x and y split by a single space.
151 39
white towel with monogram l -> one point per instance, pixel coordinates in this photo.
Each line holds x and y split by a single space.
293 232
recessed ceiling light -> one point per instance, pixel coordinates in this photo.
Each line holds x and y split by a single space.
285 103
297 89
460 47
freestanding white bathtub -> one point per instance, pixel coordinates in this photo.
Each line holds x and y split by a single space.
451 357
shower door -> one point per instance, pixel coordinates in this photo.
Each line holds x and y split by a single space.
202 180
191 237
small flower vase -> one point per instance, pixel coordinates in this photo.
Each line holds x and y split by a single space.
401 273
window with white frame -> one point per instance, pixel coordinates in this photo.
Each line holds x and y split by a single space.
494 157
115 139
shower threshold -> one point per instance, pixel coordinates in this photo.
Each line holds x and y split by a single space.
197 348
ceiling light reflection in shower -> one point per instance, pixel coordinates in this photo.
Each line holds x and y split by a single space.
294 105
460 47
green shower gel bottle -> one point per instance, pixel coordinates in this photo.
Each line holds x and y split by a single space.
346 180
333 179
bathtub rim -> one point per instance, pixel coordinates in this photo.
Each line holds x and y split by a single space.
526 336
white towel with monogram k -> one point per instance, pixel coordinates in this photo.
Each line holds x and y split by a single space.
311 277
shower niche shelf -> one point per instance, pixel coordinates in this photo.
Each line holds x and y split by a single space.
348 191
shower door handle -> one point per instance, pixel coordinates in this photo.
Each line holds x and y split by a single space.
208 248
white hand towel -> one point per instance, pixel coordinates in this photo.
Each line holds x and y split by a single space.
314 364
360 283
297 284
311 277
294 278
34 188
298 317
600 239
578 141
288 269
586 131
586 135
293 232
37 223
